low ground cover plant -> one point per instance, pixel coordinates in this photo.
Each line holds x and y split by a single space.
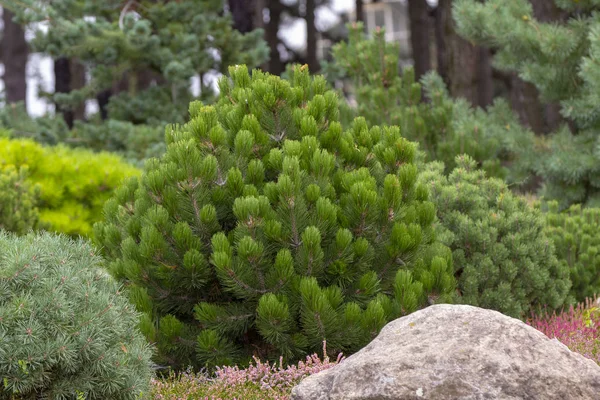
260 380
578 327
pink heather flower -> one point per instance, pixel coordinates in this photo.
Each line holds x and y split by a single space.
275 381
578 328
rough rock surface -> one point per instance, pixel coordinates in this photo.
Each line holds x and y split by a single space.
457 352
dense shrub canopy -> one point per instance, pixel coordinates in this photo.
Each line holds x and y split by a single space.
66 331
575 236
73 183
502 258
266 229
18 201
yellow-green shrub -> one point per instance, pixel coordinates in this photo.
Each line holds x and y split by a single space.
18 201
74 183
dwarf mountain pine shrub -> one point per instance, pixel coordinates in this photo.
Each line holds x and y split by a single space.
502 258
66 331
18 201
575 236
73 183
266 229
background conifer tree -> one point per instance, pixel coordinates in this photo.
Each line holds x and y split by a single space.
140 56
561 60
443 126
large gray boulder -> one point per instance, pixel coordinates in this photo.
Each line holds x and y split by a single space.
457 352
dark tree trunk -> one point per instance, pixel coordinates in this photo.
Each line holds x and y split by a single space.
486 81
524 96
468 73
258 16
274 66
311 37
103 97
77 82
62 84
242 12
360 15
14 56
420 35
440 41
